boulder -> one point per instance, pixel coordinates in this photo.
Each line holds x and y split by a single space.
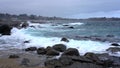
115 44
5 29
52 52
31 49
64 39
93 57
71 52
59 47
41 50
113 49
14 56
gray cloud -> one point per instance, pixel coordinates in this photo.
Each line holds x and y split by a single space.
63 8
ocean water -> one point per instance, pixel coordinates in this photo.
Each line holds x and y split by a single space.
43 35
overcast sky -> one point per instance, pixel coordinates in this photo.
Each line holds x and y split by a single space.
63 8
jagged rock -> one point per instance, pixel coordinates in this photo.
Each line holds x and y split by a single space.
14 56
52 52
59 47
65 40
5 29
113 49
41 51
71 52
27 41
31 49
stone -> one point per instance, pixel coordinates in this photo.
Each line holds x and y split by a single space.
71 52
59 47
113 49
64 39
115 44
52 52
14 56
41 50
31 49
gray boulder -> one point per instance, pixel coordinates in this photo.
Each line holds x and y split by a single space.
60 47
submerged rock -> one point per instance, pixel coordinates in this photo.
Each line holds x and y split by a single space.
60 47
71 52
5 29
71 27
64 39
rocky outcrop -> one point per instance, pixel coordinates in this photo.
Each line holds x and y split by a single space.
71 52
60 47
5 29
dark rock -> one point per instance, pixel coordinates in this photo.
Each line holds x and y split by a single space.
5 29
71 27
55 63
115 44
59 47
65 60
24 25
48 48
41 51
109 35
65 40
113 49
84 65
93 57
31 49
25 62
27 41
14 56
52 52
65 25
71 52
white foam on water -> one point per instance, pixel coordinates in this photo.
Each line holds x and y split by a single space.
18 37
77 23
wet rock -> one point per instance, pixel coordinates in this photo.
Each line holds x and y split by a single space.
14 56
41 51
65 25
52 52
71 52
115 44
31 49
24 25
93 57
113 49
59 47
65 40
5 29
